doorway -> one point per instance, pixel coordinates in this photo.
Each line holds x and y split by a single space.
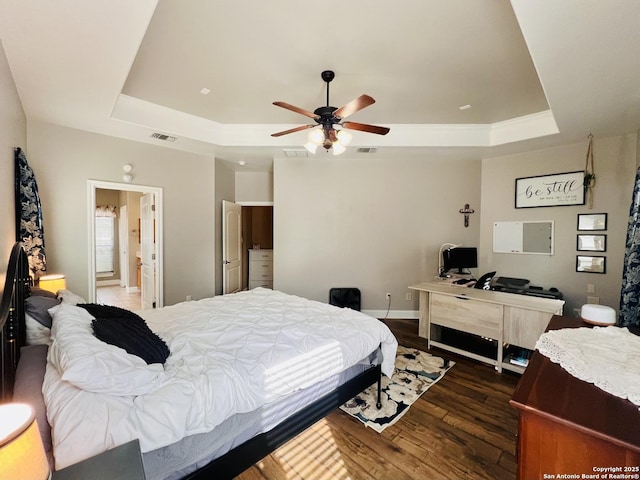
155 247
256 231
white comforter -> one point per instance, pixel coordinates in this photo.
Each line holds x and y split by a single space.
229 354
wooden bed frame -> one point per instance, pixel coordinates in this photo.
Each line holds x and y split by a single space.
13 336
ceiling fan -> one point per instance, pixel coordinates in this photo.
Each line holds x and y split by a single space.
327 117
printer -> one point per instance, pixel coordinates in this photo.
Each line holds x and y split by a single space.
522 286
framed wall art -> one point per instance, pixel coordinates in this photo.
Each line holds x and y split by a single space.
591 243
555 190
592 221
591 264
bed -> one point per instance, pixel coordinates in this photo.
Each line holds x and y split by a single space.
245 373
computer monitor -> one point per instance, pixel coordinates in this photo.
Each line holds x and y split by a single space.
460 258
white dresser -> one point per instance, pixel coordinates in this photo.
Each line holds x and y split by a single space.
260 268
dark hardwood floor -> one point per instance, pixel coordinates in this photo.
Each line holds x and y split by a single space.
461 428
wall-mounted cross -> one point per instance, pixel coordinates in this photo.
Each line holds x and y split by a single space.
466 211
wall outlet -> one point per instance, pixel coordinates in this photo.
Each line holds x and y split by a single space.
388 295
591 288
189 298
593 300
408 296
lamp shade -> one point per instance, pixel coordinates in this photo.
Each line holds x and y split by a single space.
338 148
21 452
52 283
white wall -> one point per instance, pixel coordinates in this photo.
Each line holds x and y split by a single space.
225 185
375 224
615 160
64 159
254 186
13 133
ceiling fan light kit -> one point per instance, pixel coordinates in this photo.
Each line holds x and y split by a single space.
327 118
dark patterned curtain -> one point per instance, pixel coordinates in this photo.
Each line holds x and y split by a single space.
630 293
29 229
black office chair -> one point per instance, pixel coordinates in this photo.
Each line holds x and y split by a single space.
484 282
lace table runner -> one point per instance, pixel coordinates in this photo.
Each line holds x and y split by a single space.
608 357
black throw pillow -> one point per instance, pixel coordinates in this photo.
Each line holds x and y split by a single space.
123 328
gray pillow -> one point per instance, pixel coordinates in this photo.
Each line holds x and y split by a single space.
39 292
37 307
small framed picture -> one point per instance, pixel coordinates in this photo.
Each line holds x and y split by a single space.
591 243
591 264
592 221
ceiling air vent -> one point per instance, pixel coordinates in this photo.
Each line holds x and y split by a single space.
367 150
295 153
162 136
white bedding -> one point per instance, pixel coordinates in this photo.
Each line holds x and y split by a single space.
229 354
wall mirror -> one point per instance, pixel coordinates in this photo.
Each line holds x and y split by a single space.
591 264
592 221
534 237
591 243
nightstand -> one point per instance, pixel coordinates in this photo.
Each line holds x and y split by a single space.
120 463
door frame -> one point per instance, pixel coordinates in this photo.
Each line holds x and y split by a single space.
92 185
123 244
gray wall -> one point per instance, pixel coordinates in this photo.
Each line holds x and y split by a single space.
13 133
615 160
375 224
66 158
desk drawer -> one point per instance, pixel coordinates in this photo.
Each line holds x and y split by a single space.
467 315
261 283
261 269
256 255
523 327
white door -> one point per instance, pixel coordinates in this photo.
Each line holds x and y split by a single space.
231 247
147 251
123 242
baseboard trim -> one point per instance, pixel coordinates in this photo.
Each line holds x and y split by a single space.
406 314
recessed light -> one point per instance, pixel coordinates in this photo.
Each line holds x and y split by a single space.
242 162
465 107
205 91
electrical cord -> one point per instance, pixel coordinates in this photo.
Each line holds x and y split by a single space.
386 315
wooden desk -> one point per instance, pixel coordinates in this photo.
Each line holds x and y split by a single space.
570 427
506 318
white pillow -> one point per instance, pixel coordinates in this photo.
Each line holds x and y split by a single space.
93 365
67 296
37 334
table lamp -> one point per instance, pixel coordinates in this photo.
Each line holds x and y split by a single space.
52 283
21 452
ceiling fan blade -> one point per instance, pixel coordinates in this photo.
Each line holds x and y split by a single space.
293 108
353 106
292 130
363 127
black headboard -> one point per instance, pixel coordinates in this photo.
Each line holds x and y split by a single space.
12 326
